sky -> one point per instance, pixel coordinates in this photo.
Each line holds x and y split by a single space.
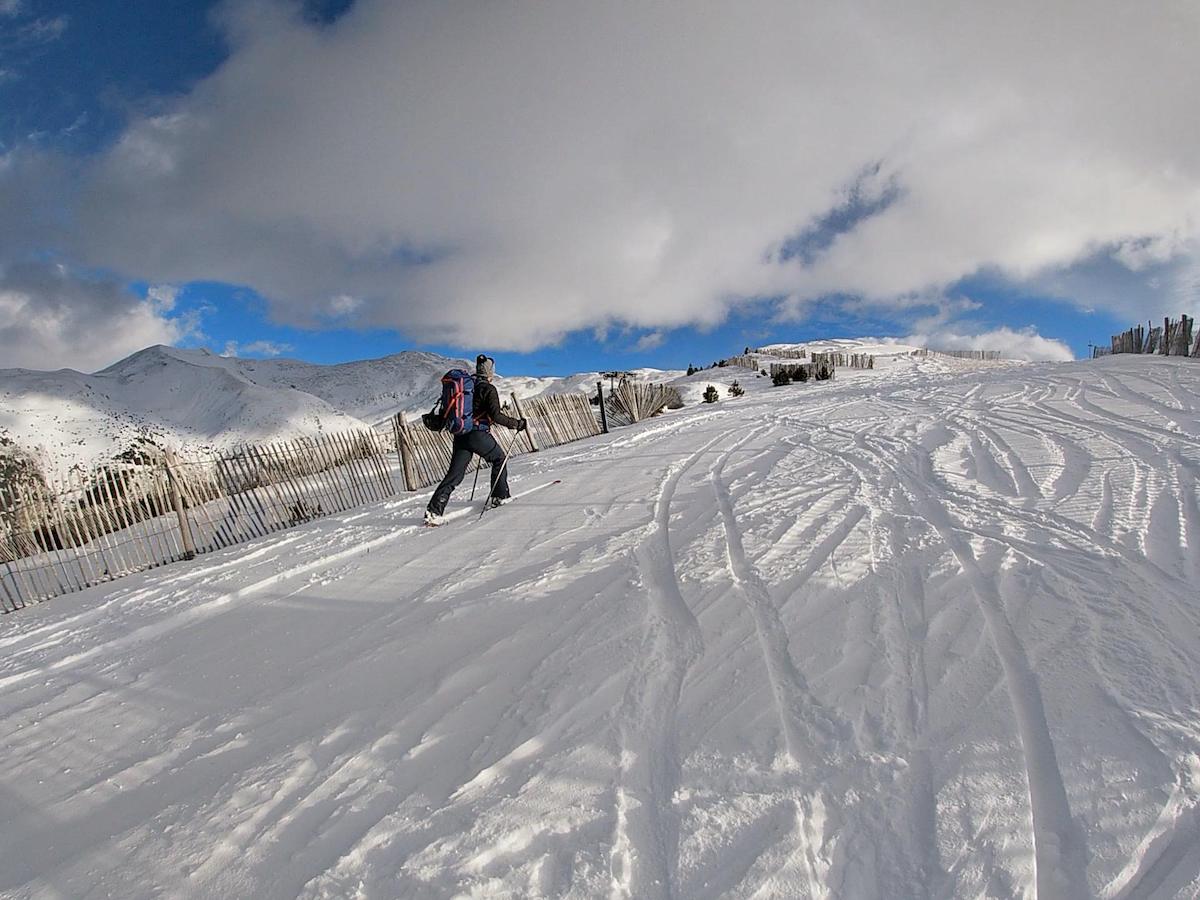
575 186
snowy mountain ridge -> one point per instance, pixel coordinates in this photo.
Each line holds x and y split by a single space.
195 398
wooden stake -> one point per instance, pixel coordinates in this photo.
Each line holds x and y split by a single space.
407 454
533 447
185 527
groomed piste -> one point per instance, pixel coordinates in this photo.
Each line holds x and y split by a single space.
930 630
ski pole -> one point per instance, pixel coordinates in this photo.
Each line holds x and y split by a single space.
475 483
503 463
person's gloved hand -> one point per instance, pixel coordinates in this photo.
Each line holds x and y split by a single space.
522 424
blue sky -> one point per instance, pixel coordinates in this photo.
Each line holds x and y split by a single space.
264 177
231 314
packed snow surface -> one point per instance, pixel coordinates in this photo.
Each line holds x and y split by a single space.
931 630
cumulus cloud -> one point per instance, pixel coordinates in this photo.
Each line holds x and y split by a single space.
512 172
1022 343
51 318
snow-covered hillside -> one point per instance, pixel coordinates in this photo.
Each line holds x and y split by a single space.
922 632
183 397
196 398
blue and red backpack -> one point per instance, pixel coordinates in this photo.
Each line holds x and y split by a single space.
458 396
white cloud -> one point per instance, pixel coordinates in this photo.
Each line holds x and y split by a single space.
163 296
11 7
649 341
255 348
266 348
51 319
1023 343
344 305
509 172
1141 253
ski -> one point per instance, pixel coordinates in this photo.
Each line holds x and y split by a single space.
463 513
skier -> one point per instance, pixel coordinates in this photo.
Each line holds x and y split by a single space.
478 440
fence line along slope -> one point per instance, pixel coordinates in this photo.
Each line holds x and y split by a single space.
152 507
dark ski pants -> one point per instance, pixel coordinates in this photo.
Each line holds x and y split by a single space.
465 446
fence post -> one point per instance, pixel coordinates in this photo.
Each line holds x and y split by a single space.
603 411
185 527
407 464
533 447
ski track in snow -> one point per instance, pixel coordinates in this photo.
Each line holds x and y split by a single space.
929 631
646 841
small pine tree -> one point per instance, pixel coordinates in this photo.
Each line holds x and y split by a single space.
711 394
735 389
691 369
780 378
802 375
746 352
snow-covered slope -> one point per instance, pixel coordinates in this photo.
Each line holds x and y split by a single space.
193 397
369 389
918 633
887 347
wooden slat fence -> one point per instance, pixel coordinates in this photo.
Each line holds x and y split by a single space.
556 419
986 355
553 419
59 535
810 371
845 360
1173 338
784 354
633 401
745 362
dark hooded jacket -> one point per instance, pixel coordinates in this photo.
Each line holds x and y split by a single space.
486 405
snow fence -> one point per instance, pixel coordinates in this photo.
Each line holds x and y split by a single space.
1173 338
152 507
